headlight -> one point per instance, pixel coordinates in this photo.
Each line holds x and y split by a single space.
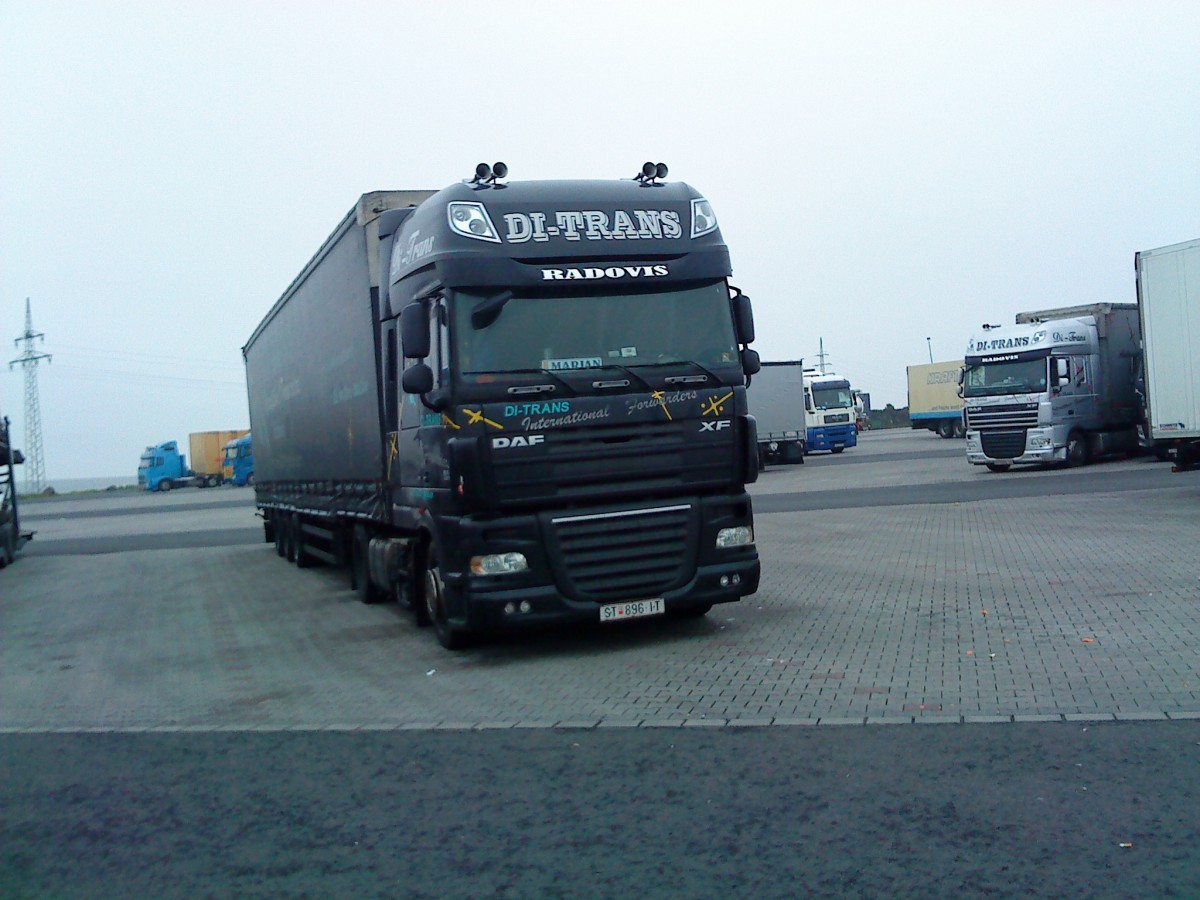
738 536
498 564
472 220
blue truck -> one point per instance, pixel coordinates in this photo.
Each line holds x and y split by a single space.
163 467
238 466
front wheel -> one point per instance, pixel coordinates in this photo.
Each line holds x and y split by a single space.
1077 450
164 485
433 600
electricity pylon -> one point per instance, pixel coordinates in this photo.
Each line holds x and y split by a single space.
35 463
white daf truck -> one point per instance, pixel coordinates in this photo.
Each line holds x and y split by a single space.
1168 287
1057 386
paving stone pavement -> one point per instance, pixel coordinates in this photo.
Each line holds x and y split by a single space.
1043 608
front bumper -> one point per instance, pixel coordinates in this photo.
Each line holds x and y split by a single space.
1039 447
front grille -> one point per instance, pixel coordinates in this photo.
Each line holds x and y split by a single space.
1003 444
628 555
837 418
985 418
633 459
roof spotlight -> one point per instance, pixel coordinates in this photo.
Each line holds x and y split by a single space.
485 174
650 172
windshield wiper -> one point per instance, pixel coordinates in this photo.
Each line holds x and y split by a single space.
632 374
682 379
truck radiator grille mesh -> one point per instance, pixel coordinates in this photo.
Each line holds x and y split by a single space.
1002 418
1003 444
627 460
634 555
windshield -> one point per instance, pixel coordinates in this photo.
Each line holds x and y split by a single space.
1022 377
559 332
831 398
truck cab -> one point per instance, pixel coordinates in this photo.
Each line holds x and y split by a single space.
238 462
1051 390
829 412
161 467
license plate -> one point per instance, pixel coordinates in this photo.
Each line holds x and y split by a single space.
616 612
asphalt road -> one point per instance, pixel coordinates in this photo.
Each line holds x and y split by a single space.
1076 807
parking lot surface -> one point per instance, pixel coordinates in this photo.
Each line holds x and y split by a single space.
1035 596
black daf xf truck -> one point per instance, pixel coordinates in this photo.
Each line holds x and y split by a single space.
514 403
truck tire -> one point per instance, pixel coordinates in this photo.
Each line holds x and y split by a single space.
164 485
837 449
8 545
945 429
433 603
278 535
960 430
302 558
999 467
1077 450
360 573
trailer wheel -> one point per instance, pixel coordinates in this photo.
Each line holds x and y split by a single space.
945 429
278 532
303 559
960 430
433 602
1077 450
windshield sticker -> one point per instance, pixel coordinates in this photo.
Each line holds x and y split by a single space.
474 417
714 406
579 362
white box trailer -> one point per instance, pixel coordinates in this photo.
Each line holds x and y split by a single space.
1168 290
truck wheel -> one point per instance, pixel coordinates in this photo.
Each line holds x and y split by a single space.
945 429
8 546
960 430
433 600
164 485
837 449
999 467
360 573
278 535
302 559
1077 450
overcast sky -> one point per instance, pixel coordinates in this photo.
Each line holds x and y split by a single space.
884 173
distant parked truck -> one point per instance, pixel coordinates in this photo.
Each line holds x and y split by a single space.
776 400
162 467
829 413
238 468
1058 386
1168 290
11 536
933 398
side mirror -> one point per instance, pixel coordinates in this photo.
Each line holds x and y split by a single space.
743 319
417 379
1062 371
18 457
751 361
414 334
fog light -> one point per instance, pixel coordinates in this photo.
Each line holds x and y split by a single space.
738 536
498 564
724 581
510 608
736 579
526 606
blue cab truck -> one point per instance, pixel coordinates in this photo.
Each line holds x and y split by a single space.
511 404
11 536
238 466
